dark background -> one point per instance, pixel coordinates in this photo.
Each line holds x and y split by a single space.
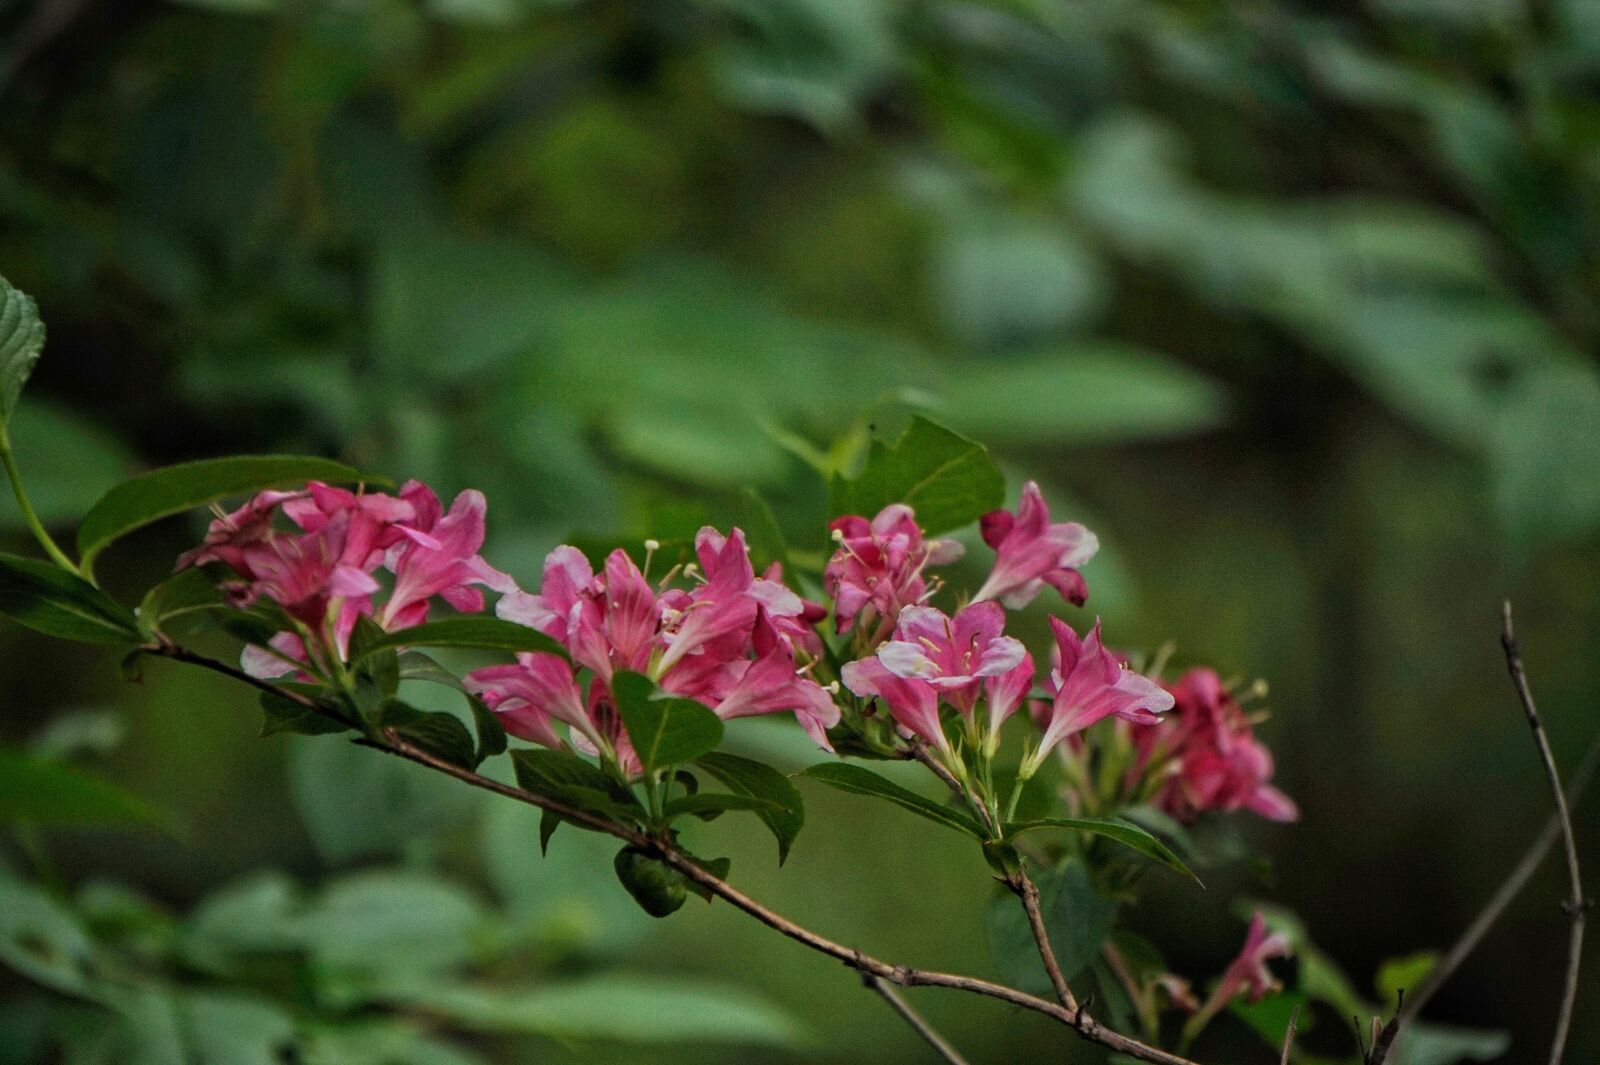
1295 305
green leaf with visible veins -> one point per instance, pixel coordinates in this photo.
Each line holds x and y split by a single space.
21 342
787 814
947 479
664 731
1124 832
50 600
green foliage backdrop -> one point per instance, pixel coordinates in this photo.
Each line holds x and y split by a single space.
1298 303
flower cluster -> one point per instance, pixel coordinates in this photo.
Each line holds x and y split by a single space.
738 643
742 644
1207 756
322 565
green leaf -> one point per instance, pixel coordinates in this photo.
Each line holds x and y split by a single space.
563 775
787 815
1399 975
491 735
483 633
174 489
21 342
1124 832
665 731
50 600
236 1028
43 940
1077 917
68 461
376 921
859 781
708 804
633 1009
188 592
282 714
1437 1044
357 802
947 479
434 731
34 789
762 531
1096 394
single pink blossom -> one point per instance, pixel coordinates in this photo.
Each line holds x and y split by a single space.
1089 683
1030 552
1248 972
723 607
770 685
606 623
879 564
955 655
438 556
913 703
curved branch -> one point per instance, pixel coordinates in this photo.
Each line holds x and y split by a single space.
1578 903
391 743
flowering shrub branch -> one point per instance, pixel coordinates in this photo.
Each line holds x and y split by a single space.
618 676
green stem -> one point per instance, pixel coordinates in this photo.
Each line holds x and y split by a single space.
58 556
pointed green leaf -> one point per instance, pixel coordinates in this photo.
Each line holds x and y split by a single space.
859 781
1124 832
564 776
787 814
39 790
21 342
665 731
947 479
492 634
50 600
175 489
438 733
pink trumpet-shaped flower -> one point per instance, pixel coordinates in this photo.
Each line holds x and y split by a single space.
1248 972
769 685
1002 694
439 557
955 655
607 622
1030 552
914 704
1218 764
527 695
1089 684
724 606
879 564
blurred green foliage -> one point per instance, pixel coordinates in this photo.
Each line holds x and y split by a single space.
1298 301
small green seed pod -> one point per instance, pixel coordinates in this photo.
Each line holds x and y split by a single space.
659 889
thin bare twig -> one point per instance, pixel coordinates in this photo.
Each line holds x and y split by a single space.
1288 1035
1492 910
1578 903
929 1034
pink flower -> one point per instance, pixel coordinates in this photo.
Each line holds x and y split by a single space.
1089 683
1002 694
954 655
879 564
1249 972
914 704
1030 553
438 556
769 685
331 561
607 623
725 606
527 695
1217 763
